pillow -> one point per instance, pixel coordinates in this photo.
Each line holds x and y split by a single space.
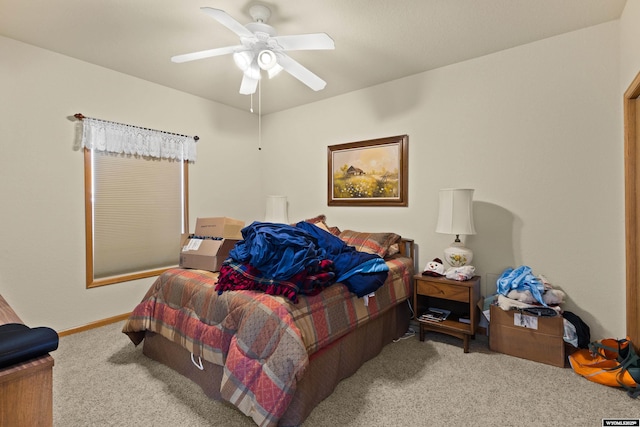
322 225
393 249
373 243
320 221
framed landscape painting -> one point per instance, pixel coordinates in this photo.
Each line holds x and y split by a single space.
369 173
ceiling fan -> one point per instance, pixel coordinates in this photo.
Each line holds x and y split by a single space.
261 49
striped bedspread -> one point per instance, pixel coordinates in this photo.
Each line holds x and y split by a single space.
262 341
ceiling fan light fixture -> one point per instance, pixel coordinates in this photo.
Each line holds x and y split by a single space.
267 59
243 59
253 71
261 48
274 71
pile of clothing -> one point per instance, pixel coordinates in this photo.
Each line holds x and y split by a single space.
303 259
520 289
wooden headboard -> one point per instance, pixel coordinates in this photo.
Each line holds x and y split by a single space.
407 248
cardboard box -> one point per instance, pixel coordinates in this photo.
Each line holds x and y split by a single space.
227 228
210 243
485 305
529 337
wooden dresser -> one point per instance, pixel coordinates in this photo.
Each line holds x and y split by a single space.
26 389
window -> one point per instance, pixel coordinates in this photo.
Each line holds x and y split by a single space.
136 210
136 198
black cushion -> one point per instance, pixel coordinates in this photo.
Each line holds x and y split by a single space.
19 343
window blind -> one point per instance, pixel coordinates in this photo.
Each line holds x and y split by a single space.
138 213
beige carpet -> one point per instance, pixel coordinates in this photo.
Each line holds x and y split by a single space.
101 379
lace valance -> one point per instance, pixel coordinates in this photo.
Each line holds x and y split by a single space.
114 137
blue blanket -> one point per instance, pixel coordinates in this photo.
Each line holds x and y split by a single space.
521 279
281 251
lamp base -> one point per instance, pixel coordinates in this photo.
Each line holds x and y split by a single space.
458 255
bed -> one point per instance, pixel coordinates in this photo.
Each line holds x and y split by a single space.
272 354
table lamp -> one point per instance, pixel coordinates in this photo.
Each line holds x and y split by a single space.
276 210
455 216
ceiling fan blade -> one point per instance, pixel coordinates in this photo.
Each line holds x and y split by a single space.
317 41
301 73
248 85
225 19
207 53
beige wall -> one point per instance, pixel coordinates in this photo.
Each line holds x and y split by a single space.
42 250
629 41
535 130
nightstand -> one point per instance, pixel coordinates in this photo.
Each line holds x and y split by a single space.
461 298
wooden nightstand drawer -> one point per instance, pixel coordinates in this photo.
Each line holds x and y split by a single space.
444 291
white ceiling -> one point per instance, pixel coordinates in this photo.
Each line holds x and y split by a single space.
376 40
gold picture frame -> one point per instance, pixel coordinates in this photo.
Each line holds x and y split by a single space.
369 173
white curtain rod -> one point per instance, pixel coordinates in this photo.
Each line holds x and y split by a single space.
81 116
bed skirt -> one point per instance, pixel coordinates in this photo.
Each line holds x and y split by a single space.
327 367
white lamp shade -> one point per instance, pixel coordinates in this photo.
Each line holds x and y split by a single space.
267 59
243 59
274 71
456 212
276 210
253 71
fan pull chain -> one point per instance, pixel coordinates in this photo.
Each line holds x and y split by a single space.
259 115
